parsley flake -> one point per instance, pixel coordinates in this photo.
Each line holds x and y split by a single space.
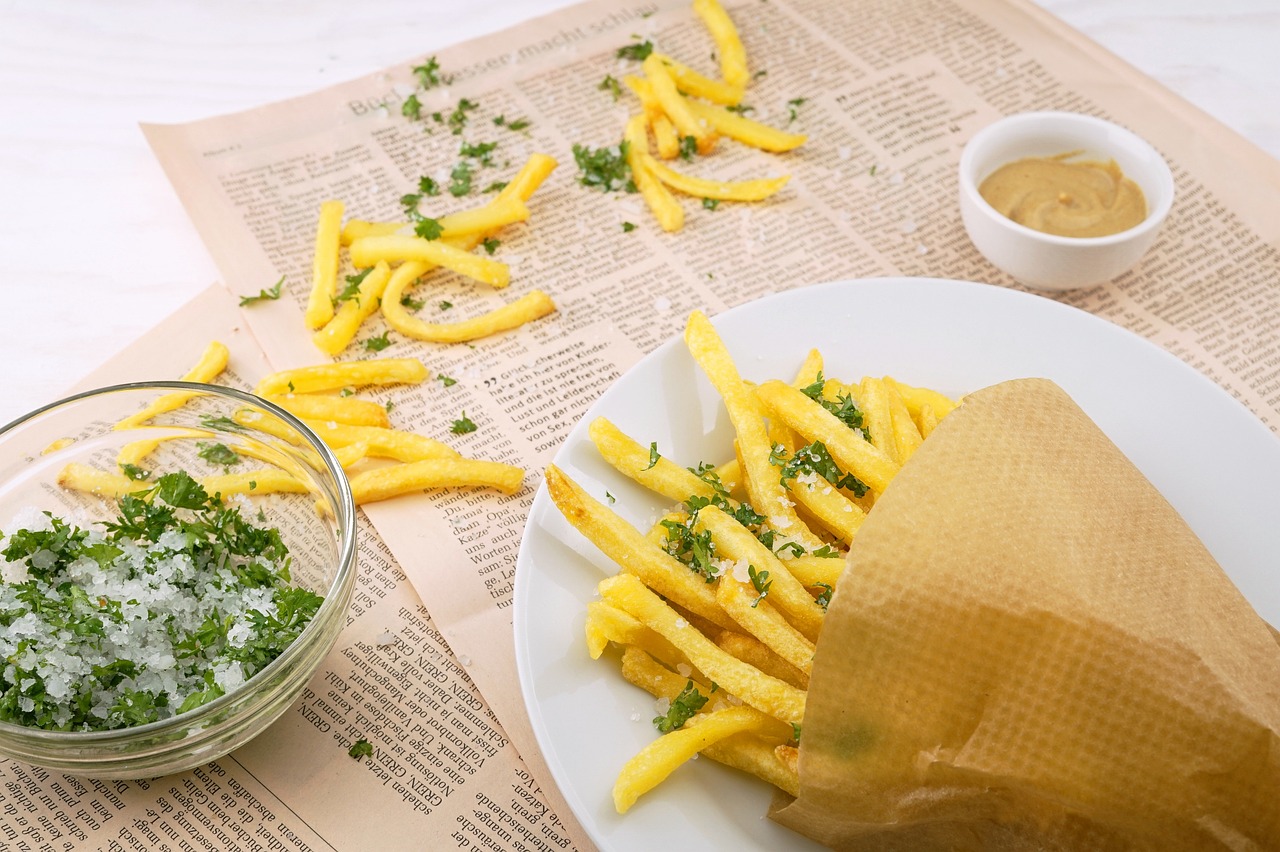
490 244
610 85
446 380
710 203
463 426
215 453
683 708
412 303
458 118
653 455
688 147
412 107
269 294
761 582
428 74
638 52
793 107
428 228
378 343
360 748
628 227
605 168
460 179
444 305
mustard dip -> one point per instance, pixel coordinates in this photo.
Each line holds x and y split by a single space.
1070 199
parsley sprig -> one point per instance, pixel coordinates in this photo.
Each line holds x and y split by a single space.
604 168
683 708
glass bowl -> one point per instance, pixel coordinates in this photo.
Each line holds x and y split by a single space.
316 522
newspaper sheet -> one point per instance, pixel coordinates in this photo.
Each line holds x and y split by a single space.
887 92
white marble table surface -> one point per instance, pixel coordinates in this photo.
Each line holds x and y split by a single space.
95 248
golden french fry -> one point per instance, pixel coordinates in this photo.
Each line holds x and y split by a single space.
264 481
814 571
324 272
745 130
80 477
210 365
828 506
665 208
753 652
733 56
381 442
767 493
335 409
847 447
665 137
644 92
338 332
906 436
788 756
394 248
724 190
607 623
350 454
664 755
736 543
767 694
384 482
876 419
357 228
692 83
662 476
809 370
533 305
753 611
675 106
503 210
927 420
755 756
625 545
916 398
327 377
531 175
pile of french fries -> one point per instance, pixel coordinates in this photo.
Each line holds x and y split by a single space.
718 608
398 258
678 103
380 461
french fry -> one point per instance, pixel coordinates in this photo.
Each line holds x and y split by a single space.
357 228
916 398
532 306
384 482
753 652
733 56
264 481
809 370
815 423
724 190
328 377
827 505
927 420
767 493
380 442
664 755
788 756
640 87
210 365
906 436
745 130
665 137
877 422
81 477
335 409
531 176
676 106
662 476
395 248
735 542
761 620
338 332
665 208
767 694
813 571
692 83
607 623
625 545
324 270
351 454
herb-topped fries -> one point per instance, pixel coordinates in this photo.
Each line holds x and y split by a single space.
717 608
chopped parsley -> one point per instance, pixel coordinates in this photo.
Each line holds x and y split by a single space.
637 52
605 168
610 85
517 125
824 597
463 425
827 552
457 120
444 305
378 343
793 107
482 151
740 109
412 303
694 549
446 380
761 582
628 227
428 74
682 708
352 289
215 453
710 203
428 186
688 147
490 244
412 107
186 601
653 455
428 228
844 408
268 295
496 186
460 179
134 472
816 459
222 422
610 498
360 748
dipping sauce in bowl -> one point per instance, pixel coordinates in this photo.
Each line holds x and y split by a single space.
1066 196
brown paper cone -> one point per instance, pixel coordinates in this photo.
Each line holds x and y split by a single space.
1030 650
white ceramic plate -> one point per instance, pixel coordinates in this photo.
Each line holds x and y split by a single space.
1215 462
